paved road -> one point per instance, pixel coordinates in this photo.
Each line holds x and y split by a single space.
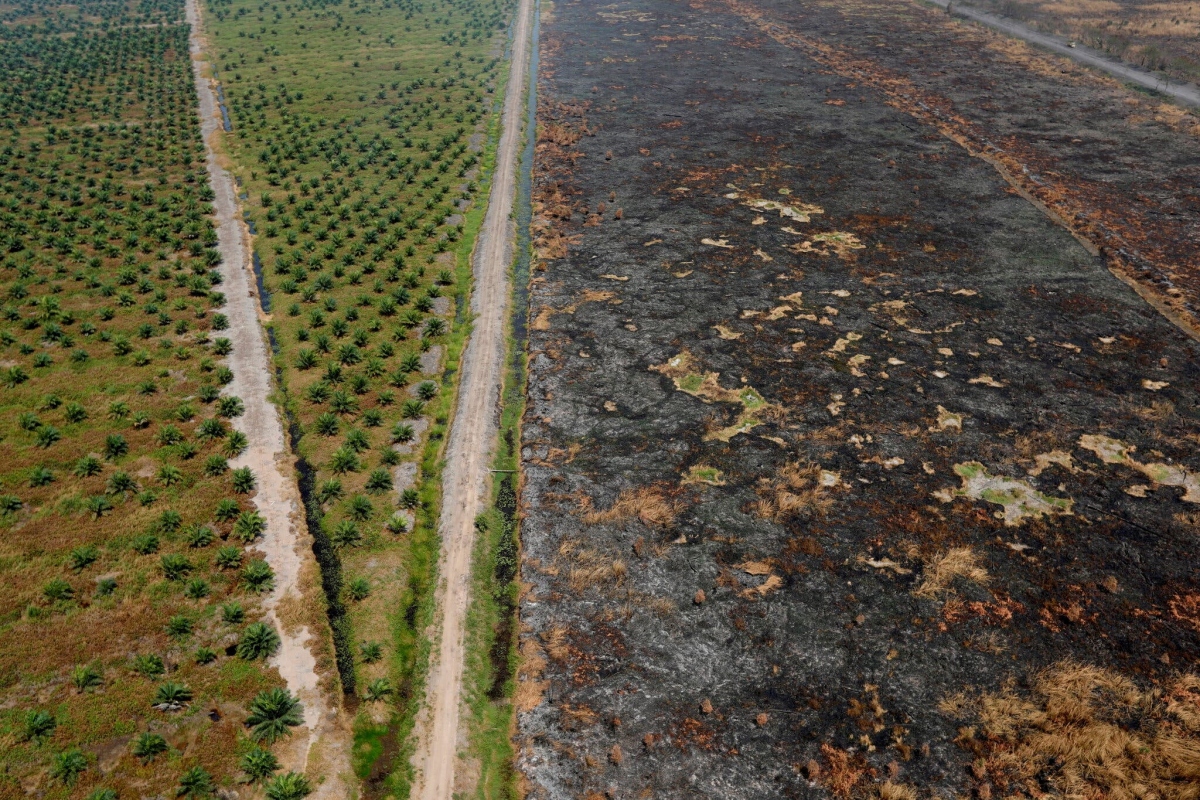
1183 92
472 437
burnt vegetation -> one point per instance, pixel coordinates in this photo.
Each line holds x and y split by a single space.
849 470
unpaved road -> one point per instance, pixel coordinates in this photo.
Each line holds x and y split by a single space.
472 438
285 544
1183 92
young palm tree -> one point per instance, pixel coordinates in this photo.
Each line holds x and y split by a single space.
196 783
258 641
39 725
258 764
289 786
147 745
68 766
272 713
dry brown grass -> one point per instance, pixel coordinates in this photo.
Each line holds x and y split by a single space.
794 492
650 505
896 791
940 573
1092 733
590 568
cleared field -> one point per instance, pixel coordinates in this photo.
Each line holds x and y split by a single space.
132 661
359 135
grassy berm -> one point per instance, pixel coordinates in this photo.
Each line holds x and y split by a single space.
856 465
131 657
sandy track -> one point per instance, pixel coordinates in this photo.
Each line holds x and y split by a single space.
286 545
472 438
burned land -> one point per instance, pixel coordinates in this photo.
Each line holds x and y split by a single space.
860 448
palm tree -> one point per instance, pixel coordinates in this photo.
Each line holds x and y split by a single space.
195 783
171 696
258 641
272 713
258 764
39 725
68 766
258 576
147 745
289 786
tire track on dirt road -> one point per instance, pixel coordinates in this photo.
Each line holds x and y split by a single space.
472 437
285 543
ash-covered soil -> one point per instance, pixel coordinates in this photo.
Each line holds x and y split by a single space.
848 472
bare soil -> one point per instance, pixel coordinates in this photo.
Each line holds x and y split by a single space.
858 455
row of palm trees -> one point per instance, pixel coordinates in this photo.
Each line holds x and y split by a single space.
112 327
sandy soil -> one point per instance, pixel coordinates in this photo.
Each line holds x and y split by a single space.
472 437
285 544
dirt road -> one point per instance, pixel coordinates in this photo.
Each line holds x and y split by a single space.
285 543
1183 92
472 438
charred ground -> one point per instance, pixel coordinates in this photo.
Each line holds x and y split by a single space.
846 467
